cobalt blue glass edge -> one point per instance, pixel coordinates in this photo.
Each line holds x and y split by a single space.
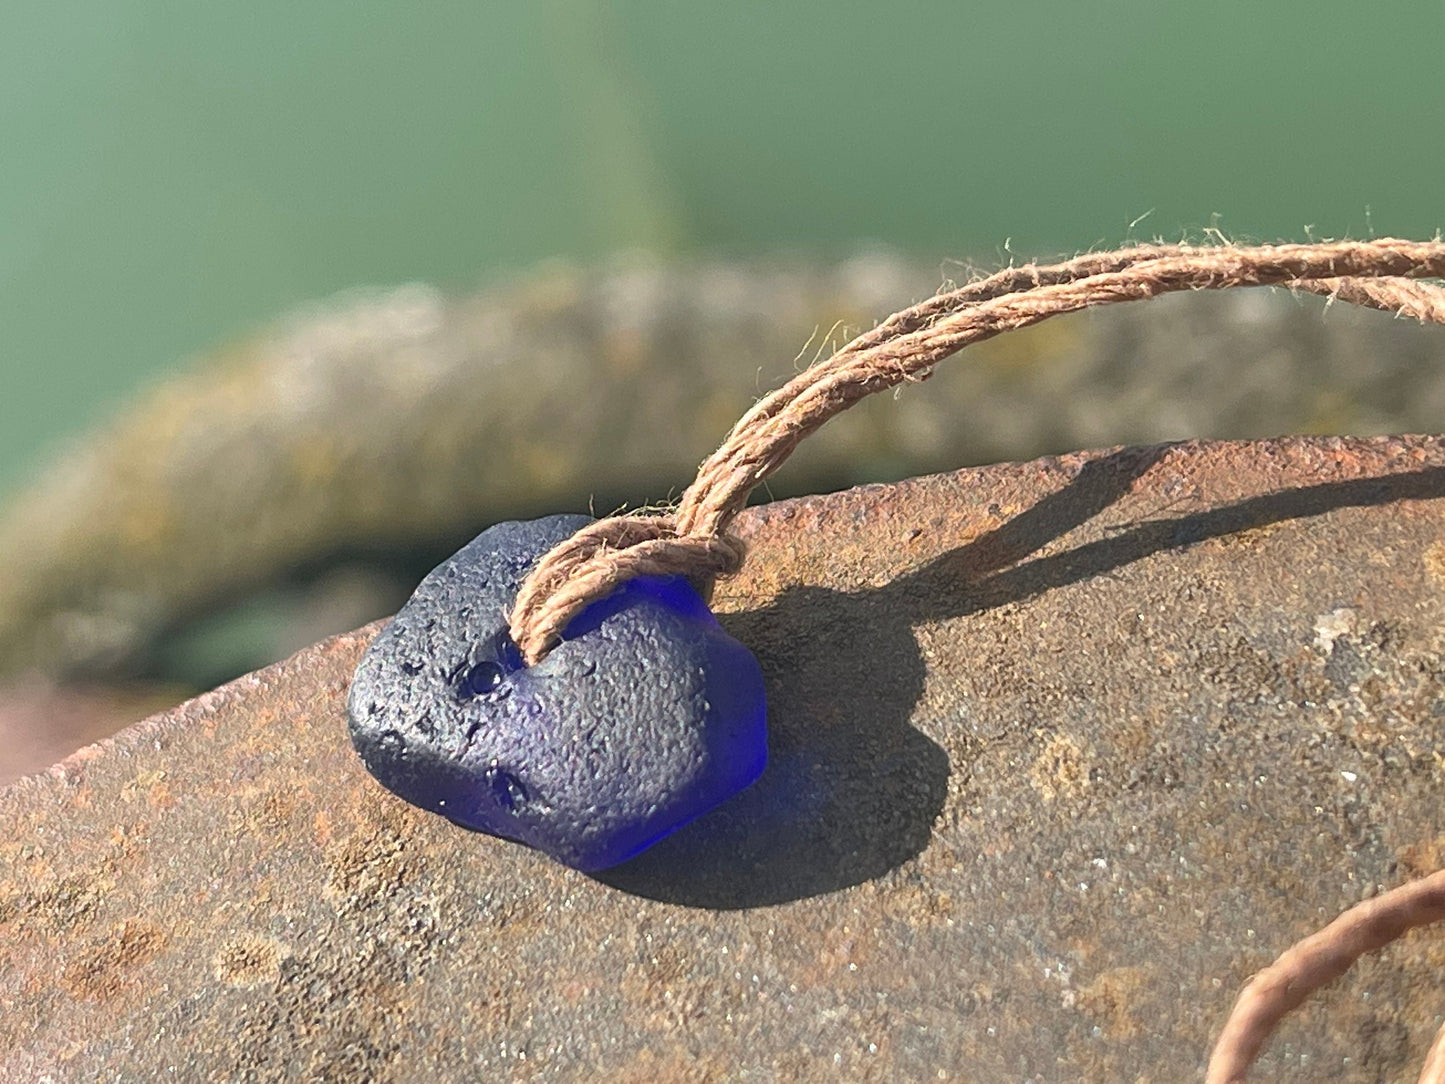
646 715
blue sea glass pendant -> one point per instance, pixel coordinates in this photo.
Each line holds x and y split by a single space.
645 716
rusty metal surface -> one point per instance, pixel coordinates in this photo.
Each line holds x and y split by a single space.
1061 753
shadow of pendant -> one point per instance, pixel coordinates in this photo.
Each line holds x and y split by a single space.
851 789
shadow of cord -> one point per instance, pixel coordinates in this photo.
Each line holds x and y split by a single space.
851 790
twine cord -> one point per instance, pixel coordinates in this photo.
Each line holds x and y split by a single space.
1319 959
694 541
905 347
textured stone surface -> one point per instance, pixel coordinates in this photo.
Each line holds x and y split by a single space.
1061 752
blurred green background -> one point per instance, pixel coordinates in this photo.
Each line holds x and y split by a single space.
172 175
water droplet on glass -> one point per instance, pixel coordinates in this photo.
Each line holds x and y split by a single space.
479 680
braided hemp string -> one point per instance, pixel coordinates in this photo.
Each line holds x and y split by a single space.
694 541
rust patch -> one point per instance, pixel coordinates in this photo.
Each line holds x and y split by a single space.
271 815
1111 999
142 784
365 868
1435 563
1061 768
1425 857
63 907
103 968
249 960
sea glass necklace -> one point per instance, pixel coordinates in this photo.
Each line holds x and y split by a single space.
562 683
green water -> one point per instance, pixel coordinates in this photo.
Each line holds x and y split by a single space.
173 174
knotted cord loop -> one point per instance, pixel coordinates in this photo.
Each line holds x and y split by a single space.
603 555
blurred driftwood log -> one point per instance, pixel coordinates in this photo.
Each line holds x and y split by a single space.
298 483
